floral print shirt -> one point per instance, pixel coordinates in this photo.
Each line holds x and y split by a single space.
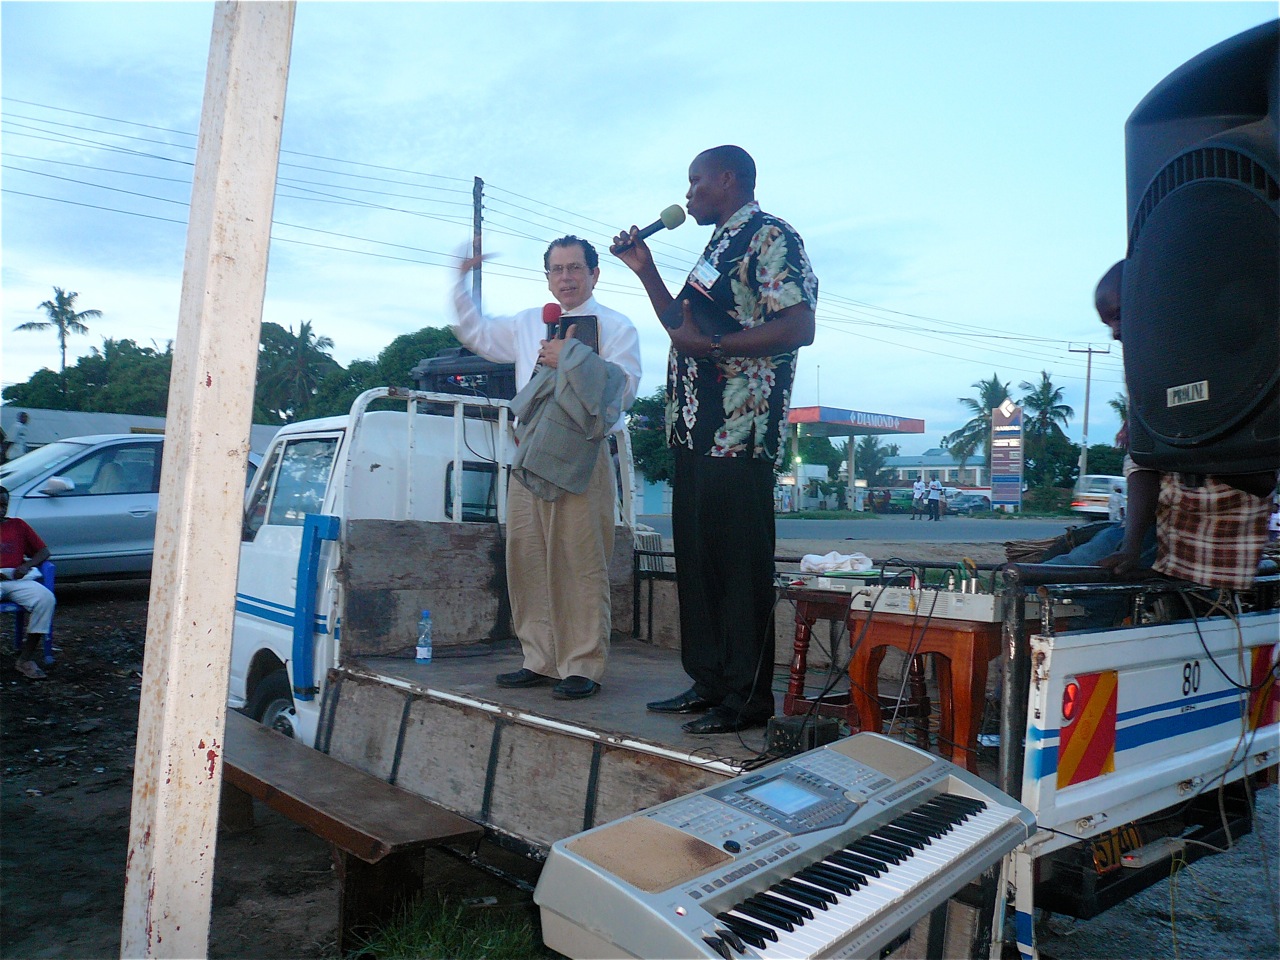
737 406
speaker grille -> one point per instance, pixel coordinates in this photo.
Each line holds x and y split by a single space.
1199 311
1206 163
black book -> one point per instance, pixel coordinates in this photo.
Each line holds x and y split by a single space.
588 330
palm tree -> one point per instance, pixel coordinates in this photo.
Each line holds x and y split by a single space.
976 434
62 314
1120 404
1049 415
295 365
1043 428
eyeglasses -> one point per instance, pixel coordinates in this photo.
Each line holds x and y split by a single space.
572 269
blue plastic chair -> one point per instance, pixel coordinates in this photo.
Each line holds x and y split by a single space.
20 616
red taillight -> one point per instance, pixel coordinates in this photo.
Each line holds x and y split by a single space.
1070 701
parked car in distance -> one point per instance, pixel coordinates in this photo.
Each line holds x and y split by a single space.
93 500
1092 493
967 503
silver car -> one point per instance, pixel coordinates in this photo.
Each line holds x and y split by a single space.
93 500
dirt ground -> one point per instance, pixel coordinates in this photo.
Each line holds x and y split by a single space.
67 750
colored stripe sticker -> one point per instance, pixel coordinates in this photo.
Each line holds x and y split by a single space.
1088 747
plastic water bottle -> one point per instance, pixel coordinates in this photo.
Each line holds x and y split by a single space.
424 637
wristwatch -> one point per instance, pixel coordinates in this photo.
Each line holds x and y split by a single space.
717 351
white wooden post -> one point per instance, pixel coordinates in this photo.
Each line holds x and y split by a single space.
178 765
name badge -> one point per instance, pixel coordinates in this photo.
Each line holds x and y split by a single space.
704 275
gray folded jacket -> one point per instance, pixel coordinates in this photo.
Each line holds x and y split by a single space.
563 415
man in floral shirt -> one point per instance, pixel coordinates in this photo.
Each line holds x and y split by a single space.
735 328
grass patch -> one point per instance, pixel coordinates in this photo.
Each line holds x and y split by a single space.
437 928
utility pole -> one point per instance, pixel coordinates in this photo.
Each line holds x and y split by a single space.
1090 349
178 760
477 225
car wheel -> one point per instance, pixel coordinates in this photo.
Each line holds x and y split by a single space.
272 703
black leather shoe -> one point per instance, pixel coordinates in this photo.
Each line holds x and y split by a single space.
522 678
687 702
575 688
723 719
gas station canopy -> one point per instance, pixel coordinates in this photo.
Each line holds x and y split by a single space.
835 422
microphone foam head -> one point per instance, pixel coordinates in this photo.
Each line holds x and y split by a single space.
551 312
672 217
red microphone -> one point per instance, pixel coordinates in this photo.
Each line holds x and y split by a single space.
551 316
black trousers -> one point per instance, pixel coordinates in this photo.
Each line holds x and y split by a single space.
722 525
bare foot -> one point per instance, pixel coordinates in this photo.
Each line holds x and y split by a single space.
29 669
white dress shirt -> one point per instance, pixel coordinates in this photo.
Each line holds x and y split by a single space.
518 338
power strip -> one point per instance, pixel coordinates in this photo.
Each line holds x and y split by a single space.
929 602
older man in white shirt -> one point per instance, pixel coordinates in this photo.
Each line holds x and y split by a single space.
558 551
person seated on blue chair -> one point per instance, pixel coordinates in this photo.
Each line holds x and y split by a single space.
21 553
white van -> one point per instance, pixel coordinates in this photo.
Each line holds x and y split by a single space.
1093 492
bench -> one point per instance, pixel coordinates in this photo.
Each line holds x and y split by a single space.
378 832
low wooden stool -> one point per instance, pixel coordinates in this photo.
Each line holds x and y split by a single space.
961 651
811 606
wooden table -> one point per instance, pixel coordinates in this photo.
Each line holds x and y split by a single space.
961 650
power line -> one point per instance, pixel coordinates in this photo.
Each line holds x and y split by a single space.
834 308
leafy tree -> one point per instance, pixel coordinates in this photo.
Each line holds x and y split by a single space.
401 355
647 425
124 378
1105 459
819 450
290 368
120 378
340 387
1055 463
1043 429
976 434
869 460
62 314
44 391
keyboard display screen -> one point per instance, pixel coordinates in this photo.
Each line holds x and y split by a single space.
783 796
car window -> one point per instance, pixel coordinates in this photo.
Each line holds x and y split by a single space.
120 468
300 481
25 468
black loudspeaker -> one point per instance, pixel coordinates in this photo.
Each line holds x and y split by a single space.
458 370
1200 303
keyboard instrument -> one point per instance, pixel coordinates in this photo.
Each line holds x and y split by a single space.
832 853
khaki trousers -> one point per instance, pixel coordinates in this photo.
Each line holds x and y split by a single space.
558 575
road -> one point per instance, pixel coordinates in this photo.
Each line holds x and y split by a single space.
894 527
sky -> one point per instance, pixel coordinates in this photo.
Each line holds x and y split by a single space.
956 170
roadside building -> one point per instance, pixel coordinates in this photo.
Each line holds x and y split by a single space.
938 464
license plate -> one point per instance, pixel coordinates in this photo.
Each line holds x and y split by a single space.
1110 847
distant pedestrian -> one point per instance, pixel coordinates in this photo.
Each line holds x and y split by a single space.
919 490
18 445
1115 505
935 499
